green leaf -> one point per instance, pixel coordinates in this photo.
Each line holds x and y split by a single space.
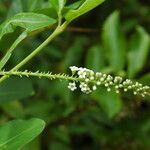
13 109
84 8
76 49
145 79
6 57
15 134
95 58
139 50
113 42
110 102
28 21
75 5
58 4
34 4
15 8
15 88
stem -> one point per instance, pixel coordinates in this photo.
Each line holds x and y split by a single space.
136 87
47 75
57 31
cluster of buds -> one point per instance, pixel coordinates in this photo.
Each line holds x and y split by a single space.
89 80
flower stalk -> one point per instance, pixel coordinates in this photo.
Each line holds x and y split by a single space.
88 80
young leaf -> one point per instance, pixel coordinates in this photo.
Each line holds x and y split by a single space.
113 42
84 8
15 134
28 21
139 50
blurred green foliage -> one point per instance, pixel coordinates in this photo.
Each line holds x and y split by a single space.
113 38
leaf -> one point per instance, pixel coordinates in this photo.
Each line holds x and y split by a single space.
6 57
58 4
28 21
15 134
110 102
13 109
15 88
15 8
139 51
76 49
34 4
145 79
113 42
75 5
84 8
95 58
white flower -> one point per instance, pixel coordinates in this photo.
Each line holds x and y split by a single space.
72 86
106 84
98 74
87 80
102 79
109 78
98 83
84 88
74 68
82 73
94 87
108 89
118 79
117 91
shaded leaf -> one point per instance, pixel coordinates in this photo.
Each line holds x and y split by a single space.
6 57
15 88
14 109
110 102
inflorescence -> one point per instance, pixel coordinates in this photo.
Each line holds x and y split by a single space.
88 80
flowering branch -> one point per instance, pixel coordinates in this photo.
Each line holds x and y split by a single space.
88 80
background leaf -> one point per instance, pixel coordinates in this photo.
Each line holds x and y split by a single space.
15 134
113 42
15 88
139 51
110 102
95 58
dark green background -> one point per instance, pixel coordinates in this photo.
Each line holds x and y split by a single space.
102 120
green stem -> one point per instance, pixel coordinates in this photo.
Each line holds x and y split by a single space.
57 31
48 75
143 90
